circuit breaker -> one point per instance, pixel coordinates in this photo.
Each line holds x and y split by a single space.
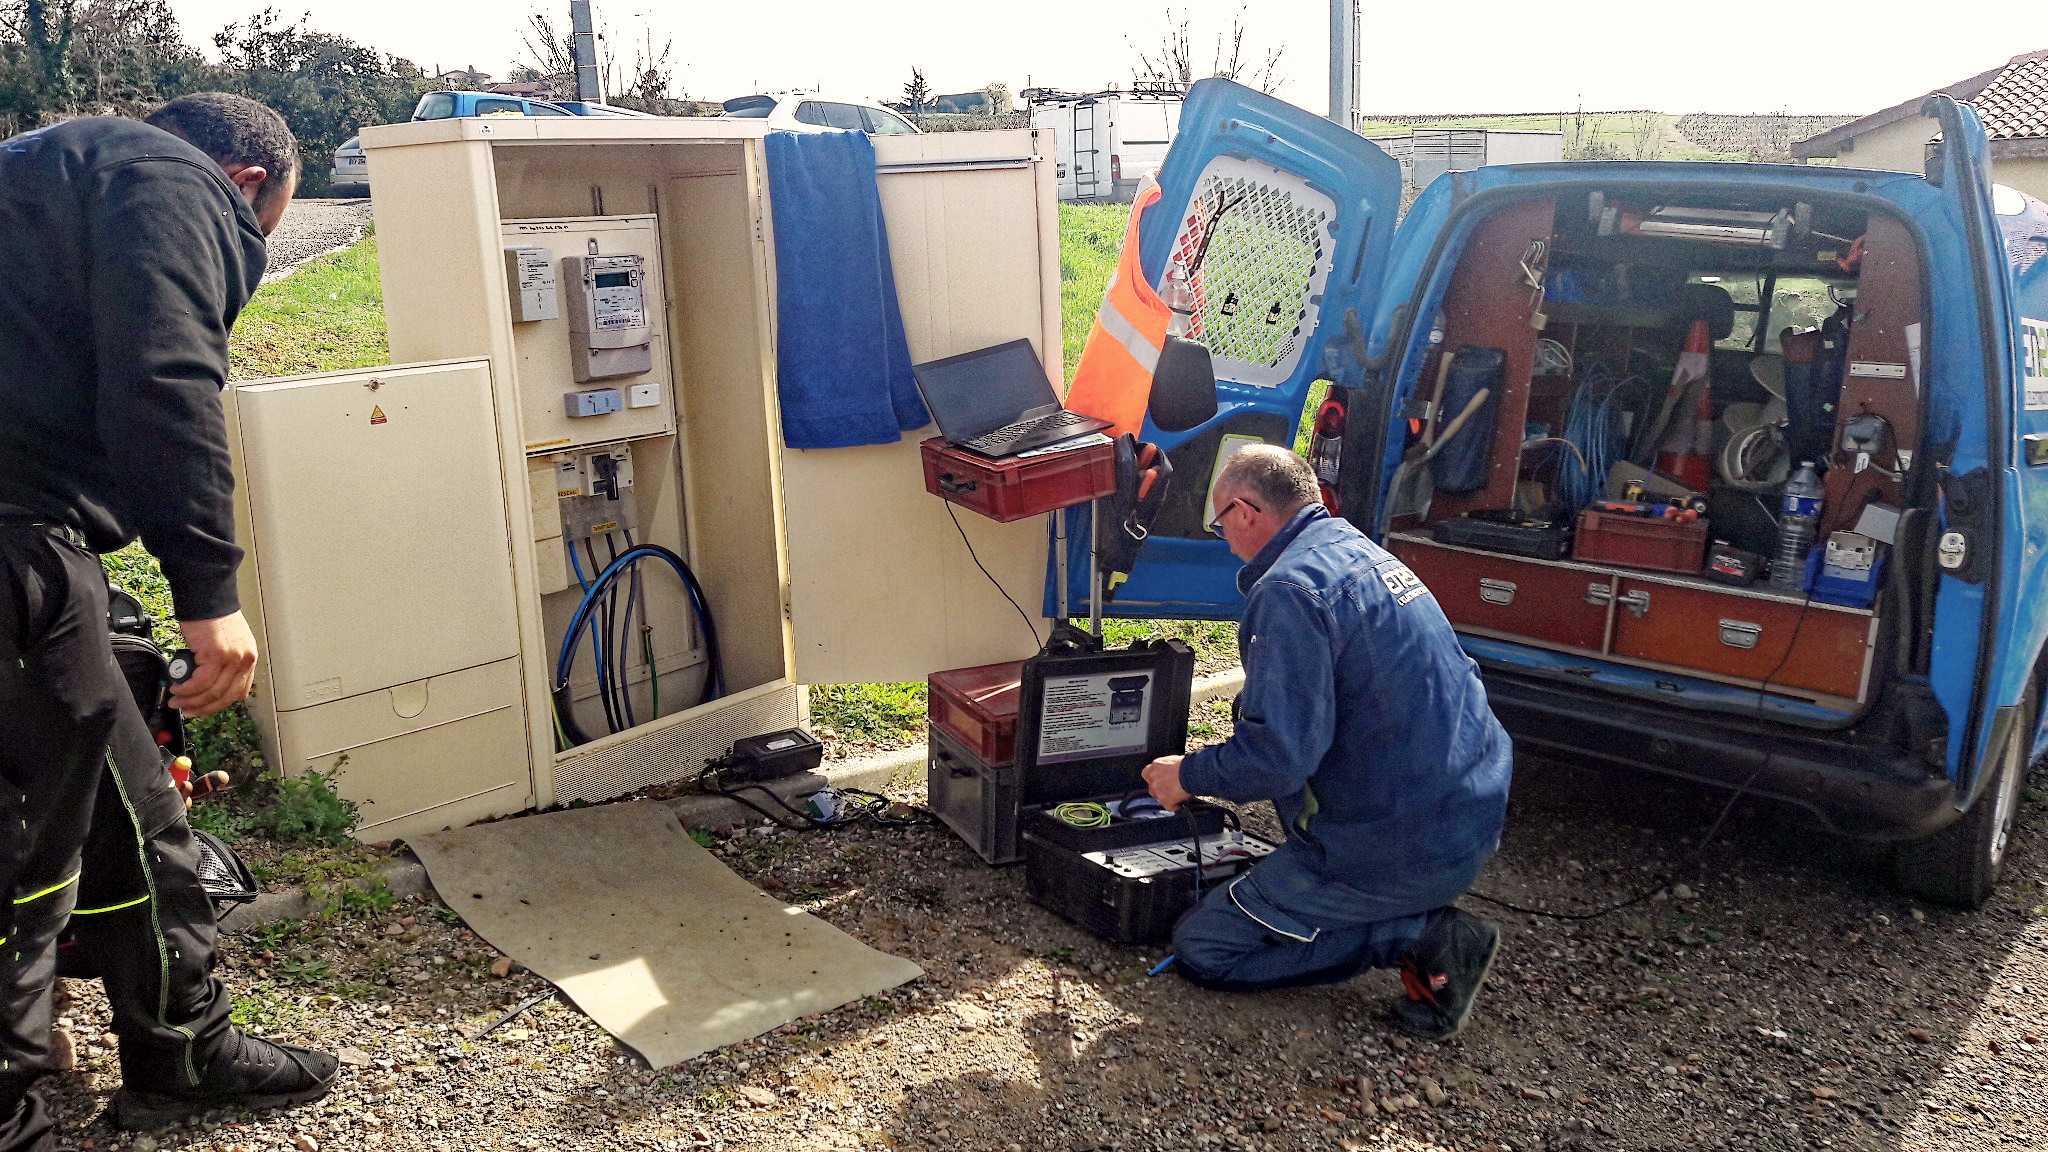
590 330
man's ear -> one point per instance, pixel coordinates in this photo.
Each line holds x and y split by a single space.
248 179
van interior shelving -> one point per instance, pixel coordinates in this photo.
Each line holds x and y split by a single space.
1574 311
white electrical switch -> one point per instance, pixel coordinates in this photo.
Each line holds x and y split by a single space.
595 402
530 275
643 395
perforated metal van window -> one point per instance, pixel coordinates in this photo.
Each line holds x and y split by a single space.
1262 238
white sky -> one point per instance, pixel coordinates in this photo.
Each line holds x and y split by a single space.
1449 56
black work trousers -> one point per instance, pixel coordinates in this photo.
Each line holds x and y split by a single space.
86 796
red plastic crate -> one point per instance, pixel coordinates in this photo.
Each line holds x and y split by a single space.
1011 489
978 707
1640 542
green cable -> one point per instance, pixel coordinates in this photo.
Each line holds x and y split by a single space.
653 672
1082 814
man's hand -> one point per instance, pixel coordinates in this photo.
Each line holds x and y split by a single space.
1162 779
224 665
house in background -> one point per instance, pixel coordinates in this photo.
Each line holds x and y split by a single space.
463 79
2012 99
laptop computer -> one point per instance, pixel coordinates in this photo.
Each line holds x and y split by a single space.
998 402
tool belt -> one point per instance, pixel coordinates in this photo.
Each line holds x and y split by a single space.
18 519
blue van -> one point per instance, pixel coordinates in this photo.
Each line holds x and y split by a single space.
1572 397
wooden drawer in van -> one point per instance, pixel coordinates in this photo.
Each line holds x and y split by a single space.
1745 638
1509 596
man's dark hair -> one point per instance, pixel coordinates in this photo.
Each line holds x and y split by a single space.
234 130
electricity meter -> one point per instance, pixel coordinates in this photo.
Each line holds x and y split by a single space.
608 330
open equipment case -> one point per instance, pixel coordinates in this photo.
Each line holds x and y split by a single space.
583 314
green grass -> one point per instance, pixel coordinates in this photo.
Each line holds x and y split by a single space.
1091 237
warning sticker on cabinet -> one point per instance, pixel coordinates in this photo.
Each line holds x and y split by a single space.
1088 717
2034 359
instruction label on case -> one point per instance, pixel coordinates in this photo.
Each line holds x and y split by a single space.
1086 717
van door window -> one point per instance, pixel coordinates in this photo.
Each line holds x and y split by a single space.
499 108
544 110
812 112
435 106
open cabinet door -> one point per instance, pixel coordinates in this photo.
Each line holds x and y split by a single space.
882 585
1978 677
1282 220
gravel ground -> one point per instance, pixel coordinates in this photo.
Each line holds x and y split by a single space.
1782 997
312 227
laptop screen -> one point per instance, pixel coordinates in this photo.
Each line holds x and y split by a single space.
978 392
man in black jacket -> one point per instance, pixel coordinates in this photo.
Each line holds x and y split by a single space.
130 248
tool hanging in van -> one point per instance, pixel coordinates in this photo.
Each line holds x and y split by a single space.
1415 481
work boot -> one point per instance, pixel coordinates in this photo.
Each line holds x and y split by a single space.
246 1074
1443 972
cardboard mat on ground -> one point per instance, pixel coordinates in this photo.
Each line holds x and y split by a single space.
660 943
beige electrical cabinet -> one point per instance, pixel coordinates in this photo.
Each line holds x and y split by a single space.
816 566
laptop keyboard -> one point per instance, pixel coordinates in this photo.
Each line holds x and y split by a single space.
1008 436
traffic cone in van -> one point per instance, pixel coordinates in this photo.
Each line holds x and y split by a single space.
1686 454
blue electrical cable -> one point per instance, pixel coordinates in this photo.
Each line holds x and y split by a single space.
596 641
580 619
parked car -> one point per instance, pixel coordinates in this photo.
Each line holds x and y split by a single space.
1493 359
810 112
351 171
449 105
592 108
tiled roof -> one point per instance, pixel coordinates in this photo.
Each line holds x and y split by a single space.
2015 105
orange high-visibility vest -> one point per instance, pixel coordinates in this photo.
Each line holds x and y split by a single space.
1114 379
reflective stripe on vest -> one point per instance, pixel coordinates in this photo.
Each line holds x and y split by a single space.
1113 382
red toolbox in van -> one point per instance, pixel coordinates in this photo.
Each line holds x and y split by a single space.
1011 487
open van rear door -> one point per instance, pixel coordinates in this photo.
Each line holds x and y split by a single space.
1980 675
1283 220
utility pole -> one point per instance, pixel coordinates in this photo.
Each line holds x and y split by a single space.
583 48
1344 22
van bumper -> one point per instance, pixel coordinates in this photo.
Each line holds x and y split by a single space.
1857 790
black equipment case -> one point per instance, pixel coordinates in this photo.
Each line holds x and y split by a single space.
1088 722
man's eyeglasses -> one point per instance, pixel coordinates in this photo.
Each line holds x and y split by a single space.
1216 525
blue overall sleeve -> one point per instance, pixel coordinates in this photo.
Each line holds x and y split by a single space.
1287 714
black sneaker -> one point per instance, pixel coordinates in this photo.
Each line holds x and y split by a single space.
1443 973
247 1074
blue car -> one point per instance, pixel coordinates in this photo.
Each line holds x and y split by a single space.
1736 473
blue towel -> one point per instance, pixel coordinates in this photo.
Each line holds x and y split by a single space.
842 361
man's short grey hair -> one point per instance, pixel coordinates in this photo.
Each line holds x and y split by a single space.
1271 477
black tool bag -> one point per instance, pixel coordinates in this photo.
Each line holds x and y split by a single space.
1465 463
1143 475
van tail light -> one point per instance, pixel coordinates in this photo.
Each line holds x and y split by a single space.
1326 448
1116 169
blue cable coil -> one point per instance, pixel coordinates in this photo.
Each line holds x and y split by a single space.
580 621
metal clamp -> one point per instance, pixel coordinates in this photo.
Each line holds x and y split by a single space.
1500 592
1637 603
1599 595
1740 634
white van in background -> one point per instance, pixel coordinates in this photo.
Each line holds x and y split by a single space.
1108 140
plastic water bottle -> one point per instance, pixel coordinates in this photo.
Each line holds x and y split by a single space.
1798 524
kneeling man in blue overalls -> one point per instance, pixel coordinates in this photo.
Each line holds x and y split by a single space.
1366 725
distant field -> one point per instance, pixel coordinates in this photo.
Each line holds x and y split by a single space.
1695 136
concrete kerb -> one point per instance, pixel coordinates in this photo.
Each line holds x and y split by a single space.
406 876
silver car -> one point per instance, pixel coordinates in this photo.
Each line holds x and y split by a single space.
351 171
